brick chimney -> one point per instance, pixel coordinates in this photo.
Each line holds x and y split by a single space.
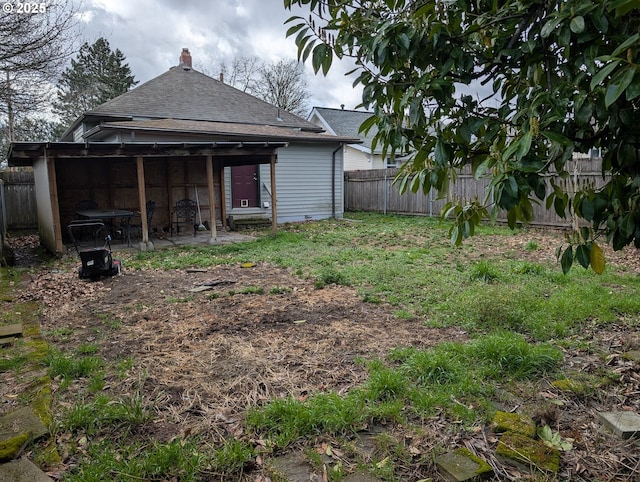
185 58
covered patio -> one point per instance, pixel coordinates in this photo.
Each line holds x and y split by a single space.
124 176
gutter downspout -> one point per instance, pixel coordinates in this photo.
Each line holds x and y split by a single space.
333 180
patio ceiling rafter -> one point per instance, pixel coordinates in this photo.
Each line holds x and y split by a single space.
24 153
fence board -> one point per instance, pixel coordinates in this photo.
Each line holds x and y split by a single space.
374 191
19 199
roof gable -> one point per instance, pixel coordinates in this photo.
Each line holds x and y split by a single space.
345 123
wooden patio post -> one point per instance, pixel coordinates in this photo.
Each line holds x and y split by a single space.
212 198
55 202
142 195
223 198
274 210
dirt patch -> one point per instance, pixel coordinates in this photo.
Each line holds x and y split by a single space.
211 354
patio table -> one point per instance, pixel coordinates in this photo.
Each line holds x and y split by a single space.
123 214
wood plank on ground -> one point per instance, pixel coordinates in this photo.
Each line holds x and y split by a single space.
11 330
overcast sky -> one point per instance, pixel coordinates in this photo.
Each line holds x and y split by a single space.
152 33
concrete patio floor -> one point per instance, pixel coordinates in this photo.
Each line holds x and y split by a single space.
164 241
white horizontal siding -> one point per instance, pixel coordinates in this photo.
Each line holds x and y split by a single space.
378 162
356 160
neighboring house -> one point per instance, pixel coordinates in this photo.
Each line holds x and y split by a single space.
346 123
184 134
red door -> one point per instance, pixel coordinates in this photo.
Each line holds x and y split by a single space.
244 186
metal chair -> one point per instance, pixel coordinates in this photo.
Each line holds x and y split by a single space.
151 208
85 205
184 214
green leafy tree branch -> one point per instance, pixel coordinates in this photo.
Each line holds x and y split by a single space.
561 76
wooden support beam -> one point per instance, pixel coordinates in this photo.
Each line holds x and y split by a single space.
212 198
223 198
142 195
55 202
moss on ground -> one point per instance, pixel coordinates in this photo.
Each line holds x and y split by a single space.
484 469
9 449
513 422
531 452
574 386
38 392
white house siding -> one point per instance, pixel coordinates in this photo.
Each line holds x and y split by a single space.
378 162
303 182
356 160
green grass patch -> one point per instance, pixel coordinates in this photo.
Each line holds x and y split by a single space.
508 354
104 413
532 245
88 349
112 322
280 290
72 367
178 299
105 460
331 276
251 290
485 271
454 377
58 334
12 360
187 460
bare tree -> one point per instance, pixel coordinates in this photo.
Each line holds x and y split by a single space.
281 83
34 46
284 85
243 73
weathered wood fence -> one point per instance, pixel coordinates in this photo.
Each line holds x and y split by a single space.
374 191
371 190
17 200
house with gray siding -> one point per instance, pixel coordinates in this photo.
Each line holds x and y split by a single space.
184 134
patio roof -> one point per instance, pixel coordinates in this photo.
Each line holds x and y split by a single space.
22 154
222 130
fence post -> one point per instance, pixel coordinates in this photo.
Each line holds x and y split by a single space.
385 193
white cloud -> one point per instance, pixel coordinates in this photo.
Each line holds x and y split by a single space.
152 33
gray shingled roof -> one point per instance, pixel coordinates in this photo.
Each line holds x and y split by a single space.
347 123
223 130
190 95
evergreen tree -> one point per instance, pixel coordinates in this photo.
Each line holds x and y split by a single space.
96 76
34 128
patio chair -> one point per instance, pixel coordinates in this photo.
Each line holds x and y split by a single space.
135 227
184 214
85 205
